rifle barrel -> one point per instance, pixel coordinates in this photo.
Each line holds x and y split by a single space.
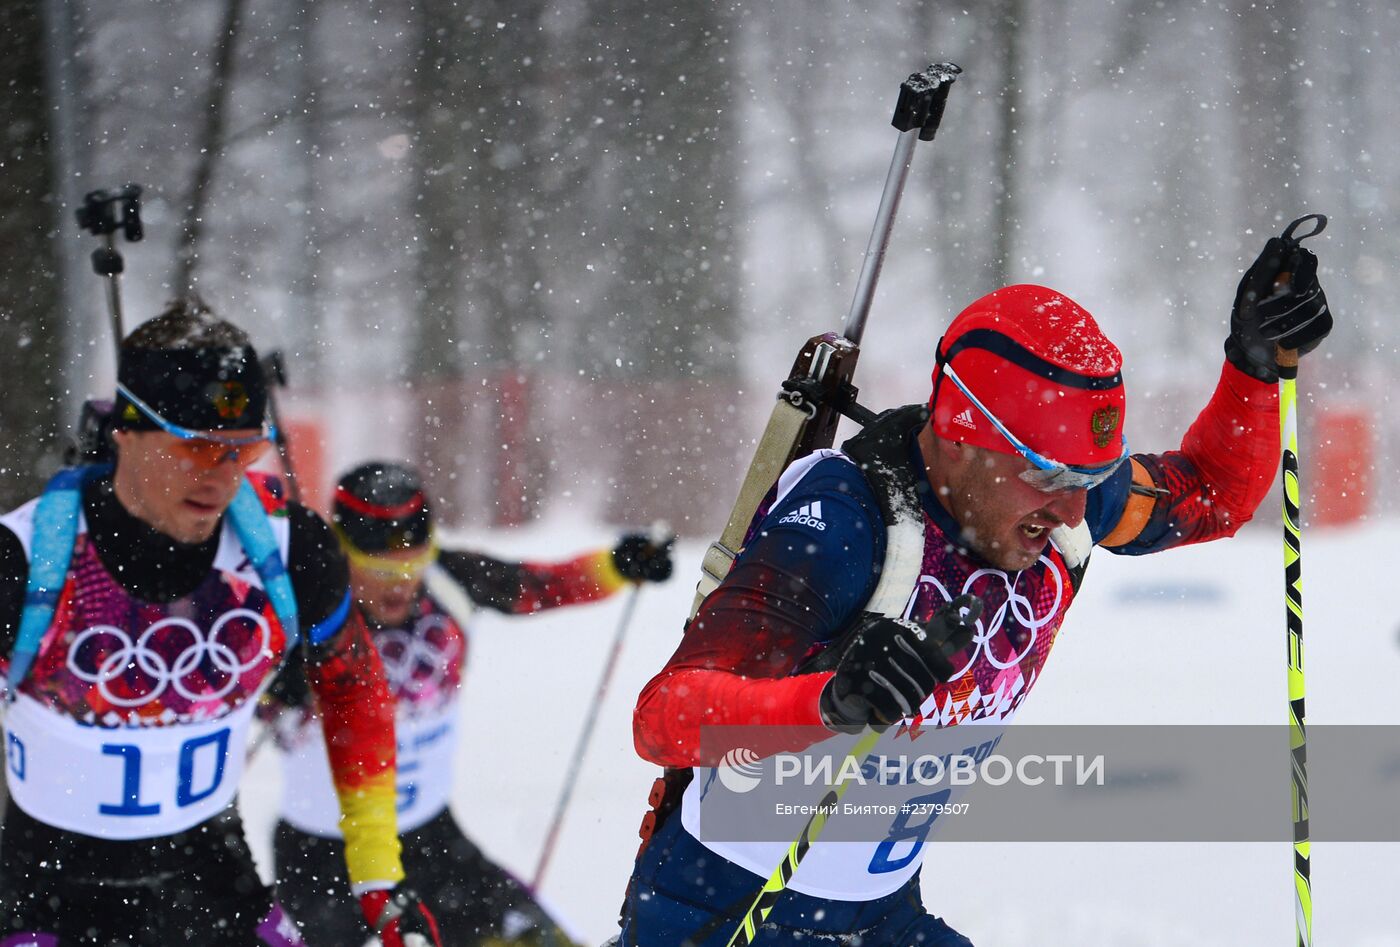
854 326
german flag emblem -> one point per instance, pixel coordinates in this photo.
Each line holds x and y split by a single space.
230 399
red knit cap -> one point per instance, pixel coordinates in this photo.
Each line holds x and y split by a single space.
1039 362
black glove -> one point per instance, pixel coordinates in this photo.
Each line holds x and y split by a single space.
400 918
890 666
642 558
1272 313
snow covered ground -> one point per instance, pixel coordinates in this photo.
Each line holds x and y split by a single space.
1192 636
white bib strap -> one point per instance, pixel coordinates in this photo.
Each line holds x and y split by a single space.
904 561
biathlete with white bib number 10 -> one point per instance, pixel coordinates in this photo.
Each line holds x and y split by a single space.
992 494
145 606
417 599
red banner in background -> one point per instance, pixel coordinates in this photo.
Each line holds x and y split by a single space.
1345 456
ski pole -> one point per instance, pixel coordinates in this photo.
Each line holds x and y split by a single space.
658 533
275 369
585 737
777 882
1293 598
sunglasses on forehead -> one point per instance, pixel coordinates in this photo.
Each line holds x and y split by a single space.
207 448
1048 475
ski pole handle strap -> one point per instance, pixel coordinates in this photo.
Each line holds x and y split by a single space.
1293 238
922 97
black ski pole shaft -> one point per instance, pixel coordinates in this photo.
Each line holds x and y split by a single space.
274 367
917 114
114 293
658 533
284 450
585 738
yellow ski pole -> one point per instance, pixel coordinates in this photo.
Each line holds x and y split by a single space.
1293 596
1287 360
778 881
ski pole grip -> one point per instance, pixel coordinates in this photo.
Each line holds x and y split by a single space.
922 97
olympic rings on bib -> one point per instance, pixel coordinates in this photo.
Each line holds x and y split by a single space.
163 672
1018 604
420 660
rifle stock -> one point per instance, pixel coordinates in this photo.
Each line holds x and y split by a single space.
804 419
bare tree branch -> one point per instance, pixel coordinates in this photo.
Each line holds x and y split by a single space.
211 146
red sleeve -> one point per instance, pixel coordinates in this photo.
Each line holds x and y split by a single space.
678 702
732 669
1235 446
1212 486
520 588
357 717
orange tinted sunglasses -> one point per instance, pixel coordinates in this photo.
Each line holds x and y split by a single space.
206 453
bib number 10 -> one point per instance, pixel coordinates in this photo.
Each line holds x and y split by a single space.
199 773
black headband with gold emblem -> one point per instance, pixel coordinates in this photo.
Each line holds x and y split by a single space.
203 389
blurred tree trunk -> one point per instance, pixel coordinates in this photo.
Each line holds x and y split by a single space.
31 310
437 353
210 148
976 179
1269 110
1006 220
665 329
480 326
796 82
1354 190
507 325
308 121
671 170
437 176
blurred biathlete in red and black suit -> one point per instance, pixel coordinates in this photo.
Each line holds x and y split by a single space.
418 599
973 516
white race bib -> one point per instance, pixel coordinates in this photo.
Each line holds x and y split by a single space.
122 782
426 747
853 870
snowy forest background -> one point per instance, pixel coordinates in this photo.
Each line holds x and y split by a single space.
562 251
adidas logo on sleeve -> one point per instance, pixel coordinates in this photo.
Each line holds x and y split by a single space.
808 514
